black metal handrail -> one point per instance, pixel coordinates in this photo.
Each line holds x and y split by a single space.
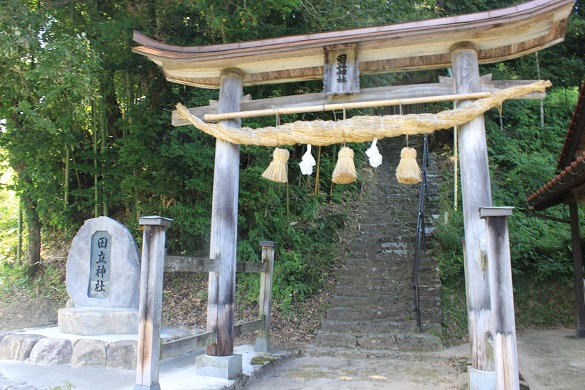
420 237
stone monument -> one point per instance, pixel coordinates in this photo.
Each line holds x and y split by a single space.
103 281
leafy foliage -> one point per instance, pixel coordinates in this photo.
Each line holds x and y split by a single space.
86 129
8 226
523 156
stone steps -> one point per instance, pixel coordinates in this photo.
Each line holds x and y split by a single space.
376 327
337 313
376 301
362 353
360 290
386 278
380 270
404 237
379 259
368 326
373 257
359 296
372 308
381 341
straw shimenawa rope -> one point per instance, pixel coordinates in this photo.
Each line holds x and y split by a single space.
344 172
278 169
408 171
358 128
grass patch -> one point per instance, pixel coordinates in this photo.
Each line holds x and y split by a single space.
544 304
538 305
454 330
48 282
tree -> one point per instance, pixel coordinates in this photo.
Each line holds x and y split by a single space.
47 81
87 122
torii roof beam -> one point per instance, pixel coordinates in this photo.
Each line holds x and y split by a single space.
499 35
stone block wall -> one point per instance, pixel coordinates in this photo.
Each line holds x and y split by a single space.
48 351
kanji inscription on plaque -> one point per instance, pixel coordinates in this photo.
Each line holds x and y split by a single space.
99 273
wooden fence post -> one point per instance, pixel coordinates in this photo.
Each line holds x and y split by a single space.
502 297
264 302
149 312
476 192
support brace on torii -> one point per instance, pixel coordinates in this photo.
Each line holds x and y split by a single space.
461 42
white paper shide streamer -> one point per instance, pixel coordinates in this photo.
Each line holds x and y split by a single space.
307 162
374 154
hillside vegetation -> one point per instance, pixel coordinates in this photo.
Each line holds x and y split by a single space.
85 131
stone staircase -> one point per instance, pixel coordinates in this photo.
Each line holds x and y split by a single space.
372 306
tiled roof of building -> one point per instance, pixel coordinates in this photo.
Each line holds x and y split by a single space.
571 163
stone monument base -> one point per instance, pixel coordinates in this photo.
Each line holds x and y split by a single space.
93 322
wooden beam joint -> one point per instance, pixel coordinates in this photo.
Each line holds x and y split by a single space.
232 71
465 45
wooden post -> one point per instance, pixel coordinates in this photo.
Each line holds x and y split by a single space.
577 269
150 306
475 192
224 222
502 297
264 302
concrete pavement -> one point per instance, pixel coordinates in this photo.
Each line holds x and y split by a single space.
549 359
175 374
552 359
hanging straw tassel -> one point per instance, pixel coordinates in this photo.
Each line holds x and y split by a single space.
344 172
408 171
277 170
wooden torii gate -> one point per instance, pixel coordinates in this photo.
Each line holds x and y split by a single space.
459 42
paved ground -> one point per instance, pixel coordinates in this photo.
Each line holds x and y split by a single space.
175 374
548 360
551 360
353 373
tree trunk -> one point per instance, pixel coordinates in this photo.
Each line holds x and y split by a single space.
94 136
112 108
33 223
19 244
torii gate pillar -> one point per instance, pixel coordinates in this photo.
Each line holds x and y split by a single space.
223 240
476 193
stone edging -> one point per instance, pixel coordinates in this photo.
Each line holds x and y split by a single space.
82 352
46 351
